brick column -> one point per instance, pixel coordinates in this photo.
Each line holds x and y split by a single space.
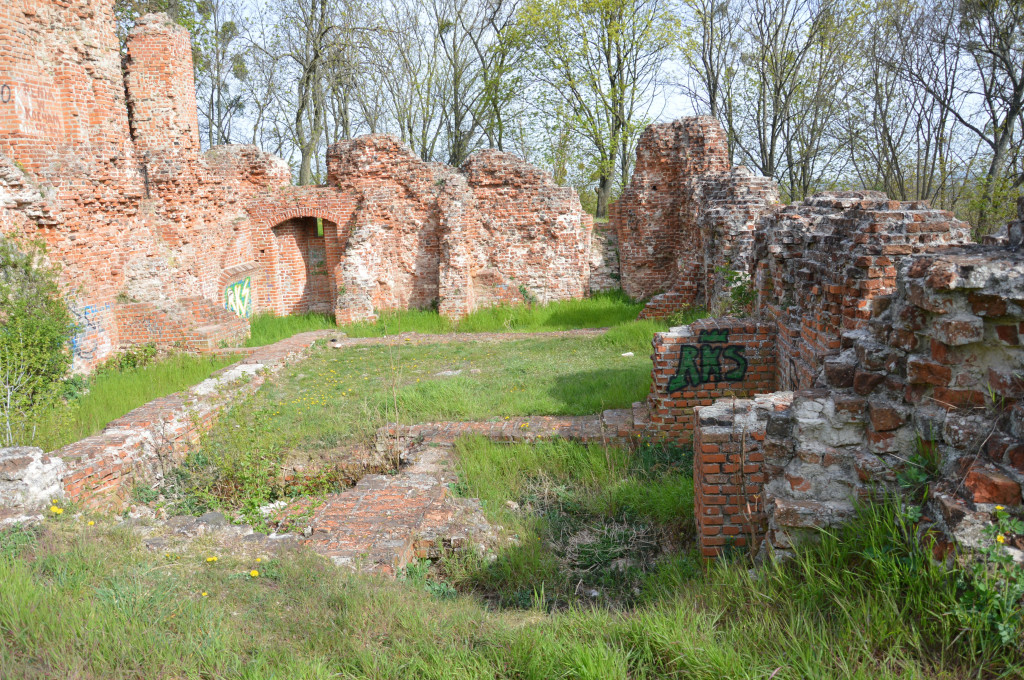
728 474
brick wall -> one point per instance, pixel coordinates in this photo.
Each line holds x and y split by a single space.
685 213
409 234
935 374
820 264
144 445
104 164
728 472
712 358
143 219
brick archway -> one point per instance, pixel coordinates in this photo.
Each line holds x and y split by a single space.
290 260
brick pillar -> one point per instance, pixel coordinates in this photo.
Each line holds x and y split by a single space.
161 88
728 474
707 360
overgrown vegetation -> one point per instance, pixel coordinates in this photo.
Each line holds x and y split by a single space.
125 382
865 602
589 521
336 399
267 328
36 327
599 311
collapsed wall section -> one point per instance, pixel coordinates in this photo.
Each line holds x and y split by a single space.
686 216
935 382
820 264
534 238
927 384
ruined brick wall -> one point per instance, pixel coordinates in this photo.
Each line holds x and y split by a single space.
647 216
686 213
933 379
408 234
534 238
712 358
131 221
937 373
821 263
161 90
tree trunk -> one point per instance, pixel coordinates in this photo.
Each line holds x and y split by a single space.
604 190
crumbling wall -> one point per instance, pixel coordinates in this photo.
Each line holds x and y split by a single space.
132 220
685 214
154 236
729 472
408 234
534 239
927 376
820 264
935 379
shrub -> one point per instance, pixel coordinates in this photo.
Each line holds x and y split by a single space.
35 329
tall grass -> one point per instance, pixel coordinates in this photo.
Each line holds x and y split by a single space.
602 310
267 328
113 393
865 603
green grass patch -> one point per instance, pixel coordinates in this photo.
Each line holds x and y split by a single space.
589 521
267 328
602 310
865 603
116 389
393 322
336 399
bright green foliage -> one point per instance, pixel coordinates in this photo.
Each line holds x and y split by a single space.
595 65
599 311
865 603
990 599
35 329
112 392
267 328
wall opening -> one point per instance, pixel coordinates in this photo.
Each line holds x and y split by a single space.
305 272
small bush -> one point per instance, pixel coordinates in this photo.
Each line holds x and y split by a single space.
36 327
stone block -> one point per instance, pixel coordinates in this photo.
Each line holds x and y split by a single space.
29 477
962 329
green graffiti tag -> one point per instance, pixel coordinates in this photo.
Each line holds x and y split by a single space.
708 361
238 297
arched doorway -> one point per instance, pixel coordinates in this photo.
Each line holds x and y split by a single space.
307 255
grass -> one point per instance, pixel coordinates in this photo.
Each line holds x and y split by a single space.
603 310
336 399
587 519
866 602
267 328
114 392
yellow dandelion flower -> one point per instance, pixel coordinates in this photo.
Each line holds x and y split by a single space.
205 594
259 559
211 559
999 507
54 509
1001 539
254 573
91 522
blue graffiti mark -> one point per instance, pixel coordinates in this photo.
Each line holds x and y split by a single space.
88 329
